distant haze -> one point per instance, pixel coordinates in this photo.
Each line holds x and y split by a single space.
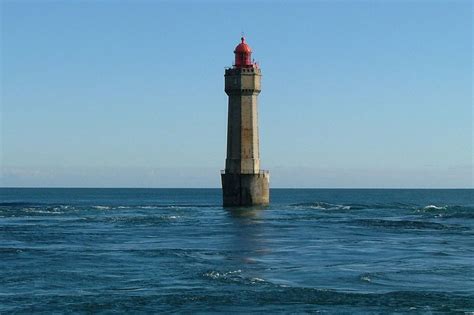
130 94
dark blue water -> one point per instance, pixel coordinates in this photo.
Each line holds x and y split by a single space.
159 250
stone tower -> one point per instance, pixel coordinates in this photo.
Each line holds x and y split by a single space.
243 183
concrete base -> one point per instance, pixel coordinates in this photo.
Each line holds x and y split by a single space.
245 189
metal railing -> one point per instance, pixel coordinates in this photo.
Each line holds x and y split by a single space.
261 172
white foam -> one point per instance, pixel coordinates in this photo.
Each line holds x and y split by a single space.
216 275
329 206
433 207
366 279
253 280
101 207
55 211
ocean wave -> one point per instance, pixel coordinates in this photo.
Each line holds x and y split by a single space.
178 207
17 204
222 299
23 204
447 211
429 207
43 211
233 276
101 207
155 206
222 275
365 278
408 224
305 299
35 209
321 206
399 299
143 220
10 250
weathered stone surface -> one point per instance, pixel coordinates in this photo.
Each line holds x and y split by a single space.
245 189
243 87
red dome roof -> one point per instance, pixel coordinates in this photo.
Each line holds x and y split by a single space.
242 47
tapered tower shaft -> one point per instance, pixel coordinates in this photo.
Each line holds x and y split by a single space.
243 86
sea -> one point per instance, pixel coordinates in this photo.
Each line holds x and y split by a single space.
335 251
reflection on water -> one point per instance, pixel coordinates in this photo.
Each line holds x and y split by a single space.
254 212
248 243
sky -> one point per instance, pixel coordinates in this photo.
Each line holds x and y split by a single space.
355 94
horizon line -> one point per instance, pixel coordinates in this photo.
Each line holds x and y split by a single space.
322 188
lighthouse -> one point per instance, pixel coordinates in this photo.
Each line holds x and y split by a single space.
243 182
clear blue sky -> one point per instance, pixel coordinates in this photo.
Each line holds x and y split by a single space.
130 93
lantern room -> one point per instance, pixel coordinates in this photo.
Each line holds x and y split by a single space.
243 55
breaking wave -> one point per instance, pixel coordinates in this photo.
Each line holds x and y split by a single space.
408 224
320 205
447 211
429 207
440 211
234 276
